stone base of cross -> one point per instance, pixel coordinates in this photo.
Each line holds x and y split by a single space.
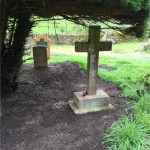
92 99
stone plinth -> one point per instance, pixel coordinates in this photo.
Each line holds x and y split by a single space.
90 103
95 100
40 56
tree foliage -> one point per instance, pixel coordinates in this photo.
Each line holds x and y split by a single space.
131 12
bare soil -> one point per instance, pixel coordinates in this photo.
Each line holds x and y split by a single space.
37 116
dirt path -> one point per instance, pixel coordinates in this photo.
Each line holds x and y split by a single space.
38 117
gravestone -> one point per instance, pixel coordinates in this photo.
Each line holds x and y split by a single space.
92 100
40 56
43 41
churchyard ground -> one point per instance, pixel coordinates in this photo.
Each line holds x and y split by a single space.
40 117
35 113
125 66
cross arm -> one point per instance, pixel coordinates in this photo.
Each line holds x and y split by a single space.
105 46
81 46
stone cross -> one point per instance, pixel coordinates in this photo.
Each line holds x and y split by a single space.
93 46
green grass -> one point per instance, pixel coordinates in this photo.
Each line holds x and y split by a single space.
142 112
143 118
132 132
62 27
143 104
126 134
128 47
126 74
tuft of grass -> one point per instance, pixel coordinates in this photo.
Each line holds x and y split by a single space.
126 134
142 111
143 105
143 118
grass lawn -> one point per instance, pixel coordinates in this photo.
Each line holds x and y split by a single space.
60 27
127 47
132 132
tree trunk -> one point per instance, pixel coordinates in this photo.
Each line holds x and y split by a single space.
3 27
12 58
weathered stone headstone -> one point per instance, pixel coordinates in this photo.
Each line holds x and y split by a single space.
93 99
43 41
40 56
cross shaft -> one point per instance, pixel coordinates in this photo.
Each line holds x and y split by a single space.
92 47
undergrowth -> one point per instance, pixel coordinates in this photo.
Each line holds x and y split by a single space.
133 132
127 134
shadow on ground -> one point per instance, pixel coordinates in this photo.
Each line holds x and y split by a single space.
38 117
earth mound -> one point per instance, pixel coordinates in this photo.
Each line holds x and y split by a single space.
37 116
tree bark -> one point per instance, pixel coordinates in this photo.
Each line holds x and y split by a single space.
3 27
12 58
